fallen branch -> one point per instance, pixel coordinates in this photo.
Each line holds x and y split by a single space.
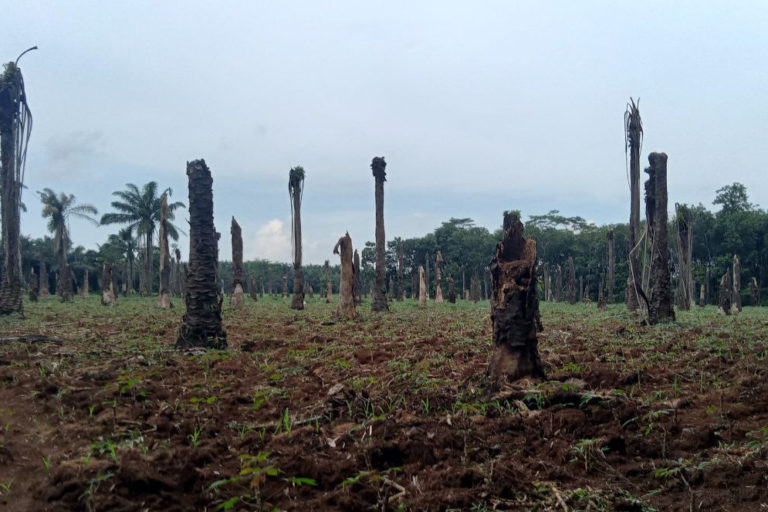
32 338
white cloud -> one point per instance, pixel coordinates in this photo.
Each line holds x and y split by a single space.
272 242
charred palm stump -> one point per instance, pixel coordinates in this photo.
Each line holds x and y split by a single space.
201 324
238 273
356 292
438 278
570 282
559 284
400 283
108 295
736 301
422 288
252 289
755 292
33 285
45 290
346 309
296 193
610 281
65 283
329 293
378 168
724 302
451 292
514 305
474 289
660 304
285 285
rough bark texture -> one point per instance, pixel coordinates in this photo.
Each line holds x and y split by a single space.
685 289
755 292
422 288
356 279
400 283
559 284
45 290
346 308
33 285
736 299
378 167
724 302
13 138
238 273
201 324
514 305
252 292
633 125
570 282
164 292
438 278
611 278
474 288
660 305
295 191
65 283
85 292
108 295
451 292
601 296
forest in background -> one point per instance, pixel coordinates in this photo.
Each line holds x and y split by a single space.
735 227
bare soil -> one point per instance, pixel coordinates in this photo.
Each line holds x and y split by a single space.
391 412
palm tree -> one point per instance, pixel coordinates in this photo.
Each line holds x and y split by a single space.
296 192
378 167
58 209
141 210
15 129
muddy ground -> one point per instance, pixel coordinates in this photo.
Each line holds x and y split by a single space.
390 413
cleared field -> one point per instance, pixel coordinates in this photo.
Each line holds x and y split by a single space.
388 413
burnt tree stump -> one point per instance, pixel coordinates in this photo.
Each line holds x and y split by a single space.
514 305
201 324
346 308
660 305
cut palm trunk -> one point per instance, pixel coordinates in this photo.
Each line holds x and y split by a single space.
660 304
400 284
451 291
356 292
44 287
611 278
422 288
633 140
702 296
252 289
201 324
570 282
736 301
685 289
600 297
559 284
65 283
285 285
237 300
108 295
378 168
514 306
296 193
438 277
755 292
346 308
724 299
86 288
164 292
33 285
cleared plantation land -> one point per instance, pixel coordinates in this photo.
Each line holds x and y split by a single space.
391 412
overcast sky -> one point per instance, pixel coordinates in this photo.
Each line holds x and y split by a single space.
478 107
